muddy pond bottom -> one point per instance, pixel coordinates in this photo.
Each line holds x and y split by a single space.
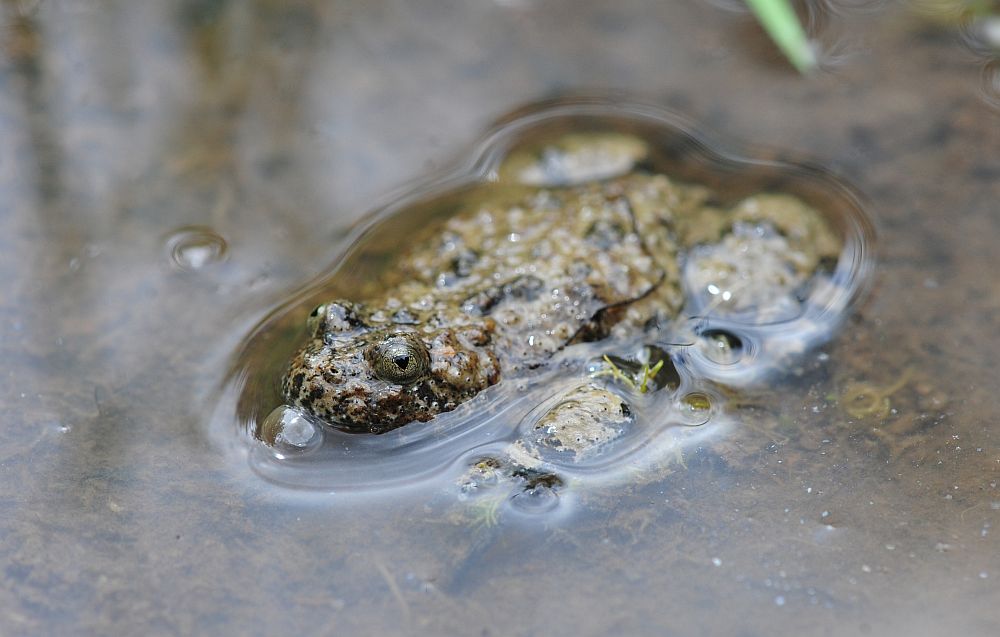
581 302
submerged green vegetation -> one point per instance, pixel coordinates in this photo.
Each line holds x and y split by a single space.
638 384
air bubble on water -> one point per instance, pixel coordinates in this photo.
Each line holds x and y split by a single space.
721 347
287 431
194 247
695 408
982 35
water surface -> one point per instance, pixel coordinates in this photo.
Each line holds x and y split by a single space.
170 171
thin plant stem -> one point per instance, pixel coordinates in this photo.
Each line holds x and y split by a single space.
779 20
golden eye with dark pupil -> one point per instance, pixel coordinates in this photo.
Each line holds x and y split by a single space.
400 359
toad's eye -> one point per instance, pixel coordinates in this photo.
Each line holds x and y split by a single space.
400 359
315 320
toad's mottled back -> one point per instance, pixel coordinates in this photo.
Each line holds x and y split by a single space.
497 290
574 244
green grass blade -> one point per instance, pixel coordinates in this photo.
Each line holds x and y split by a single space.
779 20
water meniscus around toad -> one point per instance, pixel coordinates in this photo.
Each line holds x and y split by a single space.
582 301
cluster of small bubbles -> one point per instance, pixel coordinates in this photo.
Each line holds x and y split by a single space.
194 247
287 431
695 408
90 251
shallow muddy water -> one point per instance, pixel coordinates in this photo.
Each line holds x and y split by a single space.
170 173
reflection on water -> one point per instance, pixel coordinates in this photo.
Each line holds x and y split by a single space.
863 498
